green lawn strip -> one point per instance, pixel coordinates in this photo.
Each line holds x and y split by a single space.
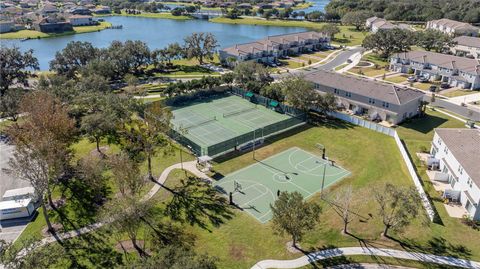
458 92
367 71
163 15
397 79
425 85
340 67
374 58
291 64
347 36
31 34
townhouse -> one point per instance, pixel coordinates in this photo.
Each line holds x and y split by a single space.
467 46
374 24
455 153
378 101
270 49
454 70
81 20
453 28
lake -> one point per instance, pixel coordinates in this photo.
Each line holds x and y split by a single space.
318 5
157 33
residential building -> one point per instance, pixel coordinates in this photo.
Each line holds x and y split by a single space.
454 70
456 155
373 99
102 10
270 49
79 20
467 46
79 10
52 25
374 24
6 26
453 28
48 9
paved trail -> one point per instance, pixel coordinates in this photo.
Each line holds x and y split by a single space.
336 252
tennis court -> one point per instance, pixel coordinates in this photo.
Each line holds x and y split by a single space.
291 170
216 125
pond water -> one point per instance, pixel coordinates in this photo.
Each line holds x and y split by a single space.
318 5
157 33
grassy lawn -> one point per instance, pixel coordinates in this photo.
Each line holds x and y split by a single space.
291 64
397 79
458 92
163 15
340 67
425 85
347 36
31 34
367 71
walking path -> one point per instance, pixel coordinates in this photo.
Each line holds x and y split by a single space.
189 166
348 251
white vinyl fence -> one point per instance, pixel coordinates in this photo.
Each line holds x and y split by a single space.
393 133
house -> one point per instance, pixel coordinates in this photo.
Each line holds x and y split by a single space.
454 70
48 9
6 26
245 6
373 99
456 155
374 24
79 20
453 28
102 10
270 49
79 10
52 25
467 46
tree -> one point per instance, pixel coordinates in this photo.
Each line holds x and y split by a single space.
397 206
15 67
326 103
389 41
342 206
294 216
200 46
252 76
10 102
431 39
330 29
143 138
299 92
127 176
356 18
73 57
99 125
90 171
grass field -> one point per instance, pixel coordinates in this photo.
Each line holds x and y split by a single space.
397 79
163 15
36 34
347 36
457 93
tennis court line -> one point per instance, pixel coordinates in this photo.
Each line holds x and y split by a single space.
324 162
301 188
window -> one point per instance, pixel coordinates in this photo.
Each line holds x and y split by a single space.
439 141
445 150
385 104
371 101
336 91
347 94
460 169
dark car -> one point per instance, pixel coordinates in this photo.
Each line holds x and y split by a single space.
423 79
433 88
444 86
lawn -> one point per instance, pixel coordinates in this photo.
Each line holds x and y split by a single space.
368 71
163 15
340 67
457 93
425 85
31 34
291 64
348 35
397 79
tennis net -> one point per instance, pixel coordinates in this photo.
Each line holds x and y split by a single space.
196 124
233 113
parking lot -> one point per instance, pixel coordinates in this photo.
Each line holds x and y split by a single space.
11 229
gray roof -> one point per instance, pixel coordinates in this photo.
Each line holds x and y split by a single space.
373 89
267 43
464 144
443 60
453 24
468 41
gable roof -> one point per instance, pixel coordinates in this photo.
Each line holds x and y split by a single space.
443 60
468 41
374 89
457 25
464 144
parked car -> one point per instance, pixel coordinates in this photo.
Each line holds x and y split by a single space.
445 85
433 88
423 79
411 79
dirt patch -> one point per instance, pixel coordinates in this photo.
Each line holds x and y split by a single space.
103 149
292 249
58 228
128 245
237 252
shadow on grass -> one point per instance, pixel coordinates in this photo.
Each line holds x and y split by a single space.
335 257
437 245
424 124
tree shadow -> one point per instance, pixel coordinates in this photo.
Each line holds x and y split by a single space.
198 203
329 256
437 245
424 124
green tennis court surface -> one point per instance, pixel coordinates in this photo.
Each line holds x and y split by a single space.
290 170
215 125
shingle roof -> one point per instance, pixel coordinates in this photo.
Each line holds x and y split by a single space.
266 43
443 60
374 89
468 41
464 144
454 24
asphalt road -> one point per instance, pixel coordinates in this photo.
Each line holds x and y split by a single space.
457 109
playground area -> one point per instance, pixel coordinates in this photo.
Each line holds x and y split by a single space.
255 187
229 122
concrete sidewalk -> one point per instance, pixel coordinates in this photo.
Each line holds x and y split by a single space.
349 251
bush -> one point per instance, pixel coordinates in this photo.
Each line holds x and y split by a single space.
467 220
410 71
423 149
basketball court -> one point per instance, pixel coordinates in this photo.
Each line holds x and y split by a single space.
255 187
